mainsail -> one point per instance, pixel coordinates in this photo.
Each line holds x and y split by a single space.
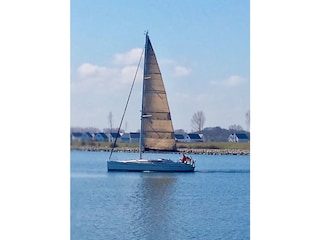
156 125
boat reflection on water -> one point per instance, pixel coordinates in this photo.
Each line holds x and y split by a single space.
154 208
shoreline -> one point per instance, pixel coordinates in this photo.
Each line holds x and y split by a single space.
204 151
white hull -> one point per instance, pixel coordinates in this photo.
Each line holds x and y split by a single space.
158 165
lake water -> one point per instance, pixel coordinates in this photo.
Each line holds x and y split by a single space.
211 203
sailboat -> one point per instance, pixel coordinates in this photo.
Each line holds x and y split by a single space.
156 133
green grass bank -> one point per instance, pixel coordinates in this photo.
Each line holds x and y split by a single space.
196 148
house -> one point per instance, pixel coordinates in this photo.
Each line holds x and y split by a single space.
125 137
113 135
75 136
194 137
100 137
134 137
78 136
238 137
180 137
87 136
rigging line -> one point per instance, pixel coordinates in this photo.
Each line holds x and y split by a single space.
125 108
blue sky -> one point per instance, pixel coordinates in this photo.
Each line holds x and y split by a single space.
203 48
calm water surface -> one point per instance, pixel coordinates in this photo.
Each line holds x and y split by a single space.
211 203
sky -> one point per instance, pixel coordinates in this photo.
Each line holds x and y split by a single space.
202 47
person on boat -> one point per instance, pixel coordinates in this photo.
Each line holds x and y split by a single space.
184 158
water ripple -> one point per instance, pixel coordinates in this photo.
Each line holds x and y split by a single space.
224 171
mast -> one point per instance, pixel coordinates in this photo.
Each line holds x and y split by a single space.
141 147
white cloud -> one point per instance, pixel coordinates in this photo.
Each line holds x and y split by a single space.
127 74
99 89
181 71
231 81
120 74
91 77
174 68
88 70
131 57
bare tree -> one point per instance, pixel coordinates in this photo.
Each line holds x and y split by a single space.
110 120
125 126
180 131
236 128
248 119
85 129
197 121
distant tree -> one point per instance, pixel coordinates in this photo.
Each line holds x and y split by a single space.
92 129
76 129
236 128
86 129
248 119
113 130
216 134
180 131
197 121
